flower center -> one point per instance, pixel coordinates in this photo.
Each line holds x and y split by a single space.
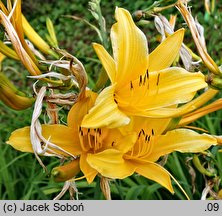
144 144
90 139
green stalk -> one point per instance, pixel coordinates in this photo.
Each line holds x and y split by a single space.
181 175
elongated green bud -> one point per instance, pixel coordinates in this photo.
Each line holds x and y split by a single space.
66 172
12 97
200 167
8 51
51 30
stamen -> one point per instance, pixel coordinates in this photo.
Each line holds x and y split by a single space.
144 80
140 80
139 134
100 131
89 136
82 143
131 85
152 132
147 138
95 141
147 74
143 132
158 79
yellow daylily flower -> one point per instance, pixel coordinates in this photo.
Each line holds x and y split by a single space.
140 83
149 147
78 141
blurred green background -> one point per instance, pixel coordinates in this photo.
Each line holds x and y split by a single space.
21 177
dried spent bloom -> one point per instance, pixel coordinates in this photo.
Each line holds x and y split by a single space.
198 37
15 33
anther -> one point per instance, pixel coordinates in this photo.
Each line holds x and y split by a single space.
147 74
148 138
158 79
143 132
140 80
139 134
152 132
144 80
100 131
131 85
112 144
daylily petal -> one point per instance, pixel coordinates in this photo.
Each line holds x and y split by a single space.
80 108
130 48
111 164
162 89
106 60
105 112
191 117
184 109
20 138
89 172
147 124
56 134
125 143
164 55
156 173
182 140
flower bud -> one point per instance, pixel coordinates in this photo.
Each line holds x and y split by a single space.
66 172
214 81
12 97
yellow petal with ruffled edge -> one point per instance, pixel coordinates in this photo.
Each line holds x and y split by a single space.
156 173
164 55
60 135
111 164
162 89
130 48
182 140
105 112
107 61
88 171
